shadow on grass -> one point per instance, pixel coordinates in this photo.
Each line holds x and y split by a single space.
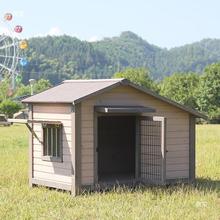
205 185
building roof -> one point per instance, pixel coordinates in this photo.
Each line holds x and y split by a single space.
75 91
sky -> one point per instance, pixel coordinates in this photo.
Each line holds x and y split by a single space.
165 23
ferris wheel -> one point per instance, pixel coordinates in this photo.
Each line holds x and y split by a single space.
11 49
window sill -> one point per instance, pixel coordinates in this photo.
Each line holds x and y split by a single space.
52 159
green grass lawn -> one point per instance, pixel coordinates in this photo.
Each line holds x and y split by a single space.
18 201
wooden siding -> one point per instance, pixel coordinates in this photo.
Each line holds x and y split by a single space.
53 173
177 141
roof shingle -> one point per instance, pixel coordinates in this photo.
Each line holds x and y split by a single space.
71 90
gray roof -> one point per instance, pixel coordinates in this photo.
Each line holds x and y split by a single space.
75 91
71 90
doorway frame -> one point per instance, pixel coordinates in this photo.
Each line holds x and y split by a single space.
137 175
137 145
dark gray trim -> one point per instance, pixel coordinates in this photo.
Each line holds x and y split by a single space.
78 153
124 109
192 152
73 144
45 102
31 143
95 150
137 149
51 184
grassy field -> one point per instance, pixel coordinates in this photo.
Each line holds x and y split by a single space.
18 201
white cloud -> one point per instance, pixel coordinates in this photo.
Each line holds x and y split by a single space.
55 31
4 30
18 13
93 39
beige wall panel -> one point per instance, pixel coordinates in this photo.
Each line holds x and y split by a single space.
87 166
52 177
87 180
53 116
52 108
177 127
177 167
52 170
46 170
38 128
178 174
66 150
63 165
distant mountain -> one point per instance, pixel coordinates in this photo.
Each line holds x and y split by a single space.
65 57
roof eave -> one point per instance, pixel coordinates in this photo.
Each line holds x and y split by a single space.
154 94
45 102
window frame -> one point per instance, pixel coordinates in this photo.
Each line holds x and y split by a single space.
51 158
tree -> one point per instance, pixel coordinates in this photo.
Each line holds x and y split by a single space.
181 87
208 97
39 86
139 76
9 108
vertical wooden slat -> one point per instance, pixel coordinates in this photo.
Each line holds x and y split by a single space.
47 136
31 148
51 141
61 142
56 142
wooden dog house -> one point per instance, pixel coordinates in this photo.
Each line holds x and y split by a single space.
93 132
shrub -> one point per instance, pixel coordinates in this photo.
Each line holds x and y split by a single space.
9 108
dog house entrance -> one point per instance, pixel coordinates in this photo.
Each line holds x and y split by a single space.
131 148
116 148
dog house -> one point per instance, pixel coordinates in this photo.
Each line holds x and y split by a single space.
88 133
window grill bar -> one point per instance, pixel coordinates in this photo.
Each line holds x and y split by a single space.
56 130
47 135
51 139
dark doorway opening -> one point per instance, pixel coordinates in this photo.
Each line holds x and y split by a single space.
116 148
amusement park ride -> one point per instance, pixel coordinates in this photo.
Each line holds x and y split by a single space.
12 50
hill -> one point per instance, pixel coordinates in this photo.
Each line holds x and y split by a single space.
65 57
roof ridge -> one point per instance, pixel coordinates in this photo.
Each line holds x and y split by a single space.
93 80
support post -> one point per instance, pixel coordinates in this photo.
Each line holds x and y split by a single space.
137 149
192 153
76 149
31 142
95 135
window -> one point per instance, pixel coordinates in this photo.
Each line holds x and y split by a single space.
52 142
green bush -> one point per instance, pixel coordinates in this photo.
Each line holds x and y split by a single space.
9 108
